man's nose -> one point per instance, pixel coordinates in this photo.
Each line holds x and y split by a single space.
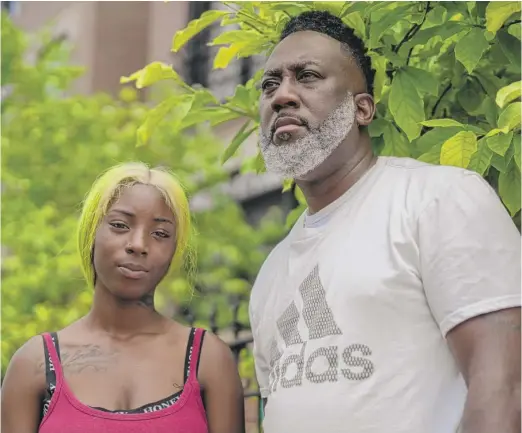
285 96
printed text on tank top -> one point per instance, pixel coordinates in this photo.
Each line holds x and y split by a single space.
50 376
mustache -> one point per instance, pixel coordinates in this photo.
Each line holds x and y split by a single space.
300 119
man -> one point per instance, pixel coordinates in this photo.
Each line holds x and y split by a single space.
393 304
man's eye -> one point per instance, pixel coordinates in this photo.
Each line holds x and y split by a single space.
268 84
307 75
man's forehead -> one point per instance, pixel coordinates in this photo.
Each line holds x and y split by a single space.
304 47
277 68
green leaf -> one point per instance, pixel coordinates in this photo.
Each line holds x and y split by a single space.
432 156
442 123
196 26
458 149
293 216
508 93
424 81
377 127
500 143
443 32
481 160
381 25
154 117
235 36
299 196
515 30
470 97
213 115
180 111
490 110
245 99
435 17
354 21
510 117
395 144
490 83
287 184
498 12
510 46
470 49
432 138
225 55
509 188
501 163
379 65
406 106
238 139
516 151
152 73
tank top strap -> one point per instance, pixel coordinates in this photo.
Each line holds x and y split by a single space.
53 364
195 353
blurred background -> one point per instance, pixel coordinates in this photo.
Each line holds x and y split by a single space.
66 118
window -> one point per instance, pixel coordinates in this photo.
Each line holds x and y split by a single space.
197 49
200 56
11 7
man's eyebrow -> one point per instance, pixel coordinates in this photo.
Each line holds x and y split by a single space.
277 72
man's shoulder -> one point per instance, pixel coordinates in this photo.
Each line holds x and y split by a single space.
409 167
423 179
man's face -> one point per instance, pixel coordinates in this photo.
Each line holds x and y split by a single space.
307 107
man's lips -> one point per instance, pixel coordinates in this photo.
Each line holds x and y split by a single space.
287 124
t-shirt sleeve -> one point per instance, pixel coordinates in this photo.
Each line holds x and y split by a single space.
469 252
260 360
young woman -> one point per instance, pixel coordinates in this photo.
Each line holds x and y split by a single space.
124 367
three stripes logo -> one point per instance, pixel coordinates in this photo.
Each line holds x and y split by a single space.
290 371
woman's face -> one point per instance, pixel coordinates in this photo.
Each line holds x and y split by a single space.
134 243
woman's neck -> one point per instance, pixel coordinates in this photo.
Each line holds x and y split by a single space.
123 318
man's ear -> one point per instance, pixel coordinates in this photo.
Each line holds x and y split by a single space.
365 109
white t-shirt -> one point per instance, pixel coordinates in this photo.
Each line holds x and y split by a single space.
350 311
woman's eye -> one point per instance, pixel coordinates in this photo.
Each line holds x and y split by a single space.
162 234
118 225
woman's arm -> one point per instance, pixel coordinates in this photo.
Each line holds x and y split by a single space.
22 389
223 391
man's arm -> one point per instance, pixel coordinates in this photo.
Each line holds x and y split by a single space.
487 349
470 267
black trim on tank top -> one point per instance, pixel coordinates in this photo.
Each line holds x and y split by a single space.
50 375
188 355
199 352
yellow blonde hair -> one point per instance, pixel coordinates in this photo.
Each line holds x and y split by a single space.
106 190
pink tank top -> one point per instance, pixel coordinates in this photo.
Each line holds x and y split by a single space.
66 414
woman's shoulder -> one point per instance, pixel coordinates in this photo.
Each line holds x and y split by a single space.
216 358
29 361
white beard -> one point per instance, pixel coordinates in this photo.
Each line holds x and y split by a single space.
300 157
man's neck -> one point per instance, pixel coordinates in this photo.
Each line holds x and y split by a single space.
321 193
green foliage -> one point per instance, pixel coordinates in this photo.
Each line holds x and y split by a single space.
447 79
52 150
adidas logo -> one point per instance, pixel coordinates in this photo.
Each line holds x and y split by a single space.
317 315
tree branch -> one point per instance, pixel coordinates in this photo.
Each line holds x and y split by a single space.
413 31
446 90
506 25
409 56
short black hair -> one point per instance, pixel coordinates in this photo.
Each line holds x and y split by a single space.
330 25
